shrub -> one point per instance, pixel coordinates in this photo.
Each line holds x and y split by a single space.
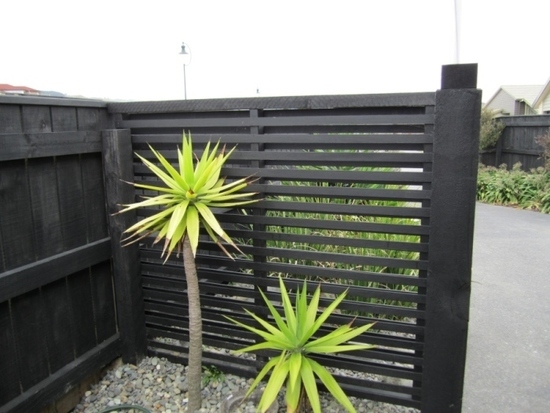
544 142
490 130
527 190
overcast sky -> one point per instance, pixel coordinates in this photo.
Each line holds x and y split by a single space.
129 50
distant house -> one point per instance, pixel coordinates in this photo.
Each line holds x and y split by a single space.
541 103
6 89
521 100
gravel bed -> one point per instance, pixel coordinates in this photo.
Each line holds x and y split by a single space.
161 386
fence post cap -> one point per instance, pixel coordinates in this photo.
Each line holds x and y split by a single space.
460 76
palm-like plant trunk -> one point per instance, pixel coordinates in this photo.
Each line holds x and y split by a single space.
195 329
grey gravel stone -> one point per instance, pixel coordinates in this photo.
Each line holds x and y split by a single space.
161 386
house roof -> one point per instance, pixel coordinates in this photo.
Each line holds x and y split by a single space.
528 93
6 87
544 92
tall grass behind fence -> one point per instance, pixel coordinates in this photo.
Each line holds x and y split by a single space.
345 188
352 242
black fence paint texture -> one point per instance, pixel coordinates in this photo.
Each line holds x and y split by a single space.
350 155
57 304
517 143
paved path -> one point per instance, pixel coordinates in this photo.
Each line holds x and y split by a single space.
508 361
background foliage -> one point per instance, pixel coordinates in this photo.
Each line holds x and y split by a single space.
490 130
526 190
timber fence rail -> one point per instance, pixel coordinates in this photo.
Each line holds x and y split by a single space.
373 193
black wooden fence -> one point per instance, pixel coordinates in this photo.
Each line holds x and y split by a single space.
57 305
517 142
371 193
392 179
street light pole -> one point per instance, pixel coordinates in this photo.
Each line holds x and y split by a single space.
186 52
184 83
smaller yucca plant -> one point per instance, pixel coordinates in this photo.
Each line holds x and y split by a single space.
294 337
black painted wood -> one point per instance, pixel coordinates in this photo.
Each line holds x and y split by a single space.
82 311
58 327
459 76
48 237
71 201
52 102
36 119
56 385
342 121
94 197
290 102
11 386
32 145
10 118
117 154
449 270
55 278
29 335
103 296
36 274
64 119
283 141
16 223
517 142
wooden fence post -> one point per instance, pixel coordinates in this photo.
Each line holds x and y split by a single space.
455 163
117 166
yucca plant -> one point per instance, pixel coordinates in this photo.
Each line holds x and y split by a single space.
186 203
294 337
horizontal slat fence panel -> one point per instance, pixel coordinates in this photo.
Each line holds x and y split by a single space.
346 189
57 307
345 194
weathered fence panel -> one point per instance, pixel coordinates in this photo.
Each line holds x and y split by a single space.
517 142
57 306
372 193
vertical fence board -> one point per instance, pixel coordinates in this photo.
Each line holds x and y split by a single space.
10 119
45 207
450 250
15 215
2 258
104 304
9 384
59 330
94 197
29 334
36 118
64 119
92 119
80 291
117 158
71 201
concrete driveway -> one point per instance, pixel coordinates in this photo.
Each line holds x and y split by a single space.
508 360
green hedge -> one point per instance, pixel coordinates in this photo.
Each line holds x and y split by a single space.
526 190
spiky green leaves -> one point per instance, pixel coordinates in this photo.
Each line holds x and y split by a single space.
293 336
191 191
